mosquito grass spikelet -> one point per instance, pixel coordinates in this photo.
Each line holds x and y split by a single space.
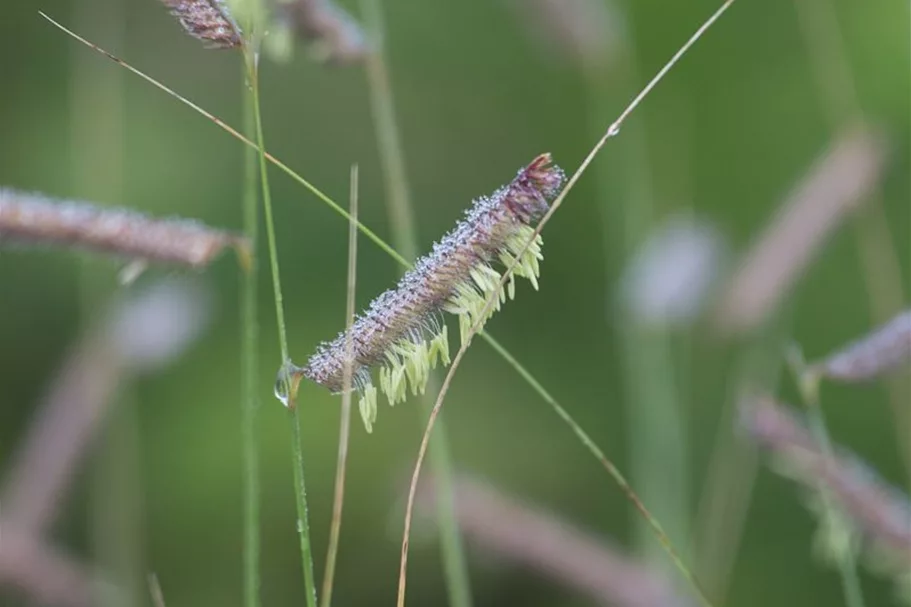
33 218
206 20
589 32
874 513
333 35
886 348
403 331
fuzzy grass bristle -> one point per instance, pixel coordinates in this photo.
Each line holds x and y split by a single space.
208 21
403 331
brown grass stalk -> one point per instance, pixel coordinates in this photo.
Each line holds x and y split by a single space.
338 38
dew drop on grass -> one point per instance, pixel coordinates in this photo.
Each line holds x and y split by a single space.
286 383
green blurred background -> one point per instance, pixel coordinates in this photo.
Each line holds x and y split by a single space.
478 93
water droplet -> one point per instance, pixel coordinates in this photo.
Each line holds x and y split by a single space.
614 130
300 526
286 383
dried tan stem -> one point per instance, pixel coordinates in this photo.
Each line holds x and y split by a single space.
338 36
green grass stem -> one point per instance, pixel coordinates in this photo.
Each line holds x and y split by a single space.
300 490
808 385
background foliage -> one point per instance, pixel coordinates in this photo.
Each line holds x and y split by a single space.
728 133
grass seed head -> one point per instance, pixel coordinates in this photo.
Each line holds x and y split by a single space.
403 332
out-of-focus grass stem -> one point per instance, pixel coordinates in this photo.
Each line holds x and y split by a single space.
97 102
808 384
404 238
300 491
878 253
335 527
249 365
656 425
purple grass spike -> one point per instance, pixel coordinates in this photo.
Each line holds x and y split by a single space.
403 331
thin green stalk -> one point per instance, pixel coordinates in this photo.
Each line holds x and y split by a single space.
731 475
335 526
249 364
658 433
847 563
611 469
808 385
404 237
300 491
253 75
